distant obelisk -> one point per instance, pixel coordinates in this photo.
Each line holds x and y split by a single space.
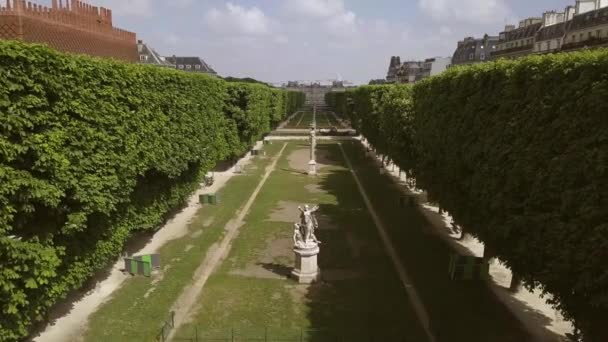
312 164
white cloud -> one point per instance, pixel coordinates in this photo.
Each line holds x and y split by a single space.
281 39
315 8
342 24
124 8
471 11
181 3
235 19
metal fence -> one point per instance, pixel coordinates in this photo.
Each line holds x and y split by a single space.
168 325
198 334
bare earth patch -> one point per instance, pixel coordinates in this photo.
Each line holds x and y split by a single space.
273 263
209 221
314 188
298 159
196 234
285 212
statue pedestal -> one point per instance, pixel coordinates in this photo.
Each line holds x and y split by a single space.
312 168
306 270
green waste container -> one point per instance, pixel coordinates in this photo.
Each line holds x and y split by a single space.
465 267
209 199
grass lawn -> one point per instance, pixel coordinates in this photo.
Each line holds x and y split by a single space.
304 119
360 297
136 311
459 310
251 296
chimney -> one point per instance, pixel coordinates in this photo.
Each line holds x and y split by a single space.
569 11
552 18
584 6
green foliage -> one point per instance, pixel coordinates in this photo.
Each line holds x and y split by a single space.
244 80
92 150
517 151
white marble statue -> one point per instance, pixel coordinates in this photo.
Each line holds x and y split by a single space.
308 224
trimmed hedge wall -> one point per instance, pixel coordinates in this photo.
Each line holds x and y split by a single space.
517 152
92 150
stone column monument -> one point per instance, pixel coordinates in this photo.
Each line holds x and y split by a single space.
306 247
312 164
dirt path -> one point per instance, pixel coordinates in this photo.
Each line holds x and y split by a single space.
338 120
187 299
288 120
71 326
300 121
419 308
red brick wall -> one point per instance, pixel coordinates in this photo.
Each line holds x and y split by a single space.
65 38
73 26
9 27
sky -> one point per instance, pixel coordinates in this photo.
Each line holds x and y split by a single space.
309 40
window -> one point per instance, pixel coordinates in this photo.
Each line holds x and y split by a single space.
549 45
188 67
197 67
581 36
143 58
482 56
537 46
558 43
598 33
493 46
589 35
482 46
181 67
573 38
471 56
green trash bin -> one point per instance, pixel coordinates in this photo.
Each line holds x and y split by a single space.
214 199
465 267
203 199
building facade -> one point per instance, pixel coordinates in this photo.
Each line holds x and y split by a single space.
191 64
73 26
410 72
588 29
550 36
395 64
435 66
516 42
472 50
148 55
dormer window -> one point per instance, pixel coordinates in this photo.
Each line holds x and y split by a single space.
188 67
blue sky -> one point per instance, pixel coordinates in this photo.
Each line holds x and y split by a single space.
280 40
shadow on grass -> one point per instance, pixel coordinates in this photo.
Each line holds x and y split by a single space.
458 310
294 170
278 269
359 296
